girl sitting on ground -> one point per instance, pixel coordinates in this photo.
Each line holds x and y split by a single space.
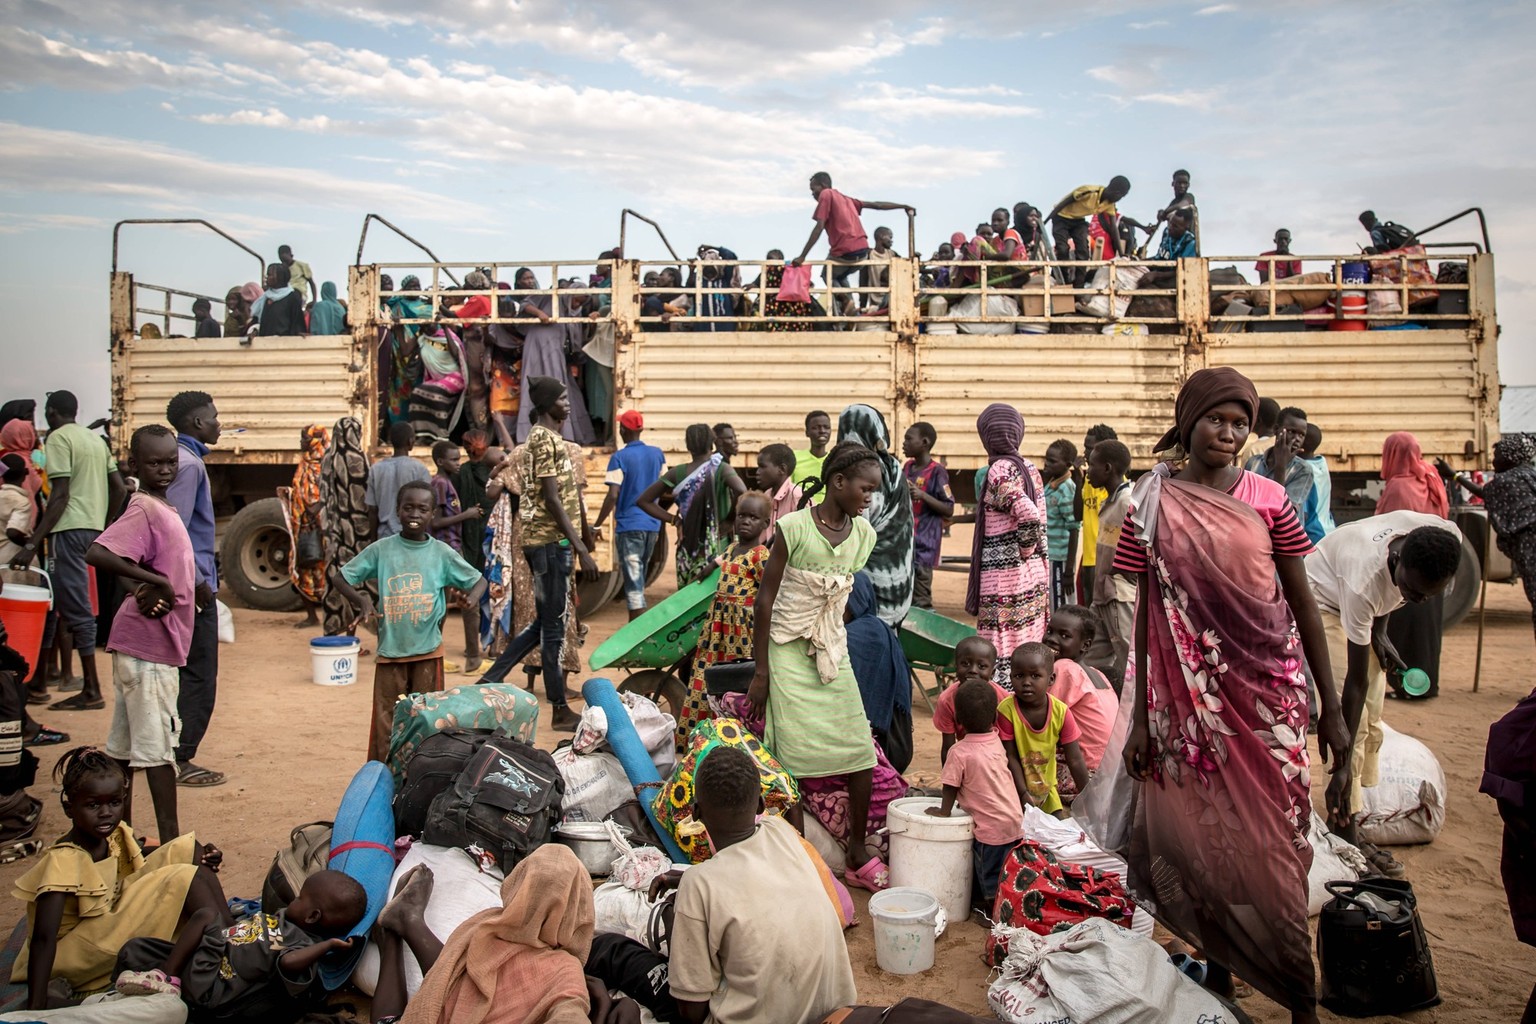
94 889
727 634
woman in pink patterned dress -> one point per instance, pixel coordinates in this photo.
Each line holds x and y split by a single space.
1009 582
1218 846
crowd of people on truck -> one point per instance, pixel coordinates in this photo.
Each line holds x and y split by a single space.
1221 559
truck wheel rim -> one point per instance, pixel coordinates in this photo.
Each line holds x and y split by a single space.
264 558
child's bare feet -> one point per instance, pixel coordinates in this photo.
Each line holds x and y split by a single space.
409 904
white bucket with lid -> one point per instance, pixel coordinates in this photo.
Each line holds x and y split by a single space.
333 660
906 923
933 854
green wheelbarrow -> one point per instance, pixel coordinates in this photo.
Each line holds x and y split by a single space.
929 640
659 645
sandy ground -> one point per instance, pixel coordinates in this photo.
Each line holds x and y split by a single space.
290 748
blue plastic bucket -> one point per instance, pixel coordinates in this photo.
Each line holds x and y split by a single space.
1358 272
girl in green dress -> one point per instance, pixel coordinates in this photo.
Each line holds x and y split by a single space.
816 725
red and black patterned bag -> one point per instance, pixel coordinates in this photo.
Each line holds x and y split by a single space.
1039 892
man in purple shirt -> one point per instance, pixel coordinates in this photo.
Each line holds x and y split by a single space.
196 420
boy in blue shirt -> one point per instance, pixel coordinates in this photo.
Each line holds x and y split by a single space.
1061 523
411 570
631 470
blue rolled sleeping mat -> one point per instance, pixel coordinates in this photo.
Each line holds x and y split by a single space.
363 846
632 755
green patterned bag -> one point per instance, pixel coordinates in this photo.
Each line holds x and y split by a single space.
502 707
674 801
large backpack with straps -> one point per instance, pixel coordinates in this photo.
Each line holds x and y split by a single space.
432 768
503 804
309 851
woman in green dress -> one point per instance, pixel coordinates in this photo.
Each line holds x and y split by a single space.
816 725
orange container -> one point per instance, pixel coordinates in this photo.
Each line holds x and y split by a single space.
24 610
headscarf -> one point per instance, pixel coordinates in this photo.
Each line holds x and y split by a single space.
250 292
1518 449
328 316
1412 484
1001 429
19 437
879 664
1203 391
545 920
890 513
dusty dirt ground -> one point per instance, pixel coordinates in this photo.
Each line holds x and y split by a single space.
290 748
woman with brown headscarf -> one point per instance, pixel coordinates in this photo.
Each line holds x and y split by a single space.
1217 851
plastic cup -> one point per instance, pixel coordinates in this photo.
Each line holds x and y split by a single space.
1415 682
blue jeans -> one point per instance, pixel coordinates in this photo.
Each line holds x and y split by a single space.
550 565
72 585
634 548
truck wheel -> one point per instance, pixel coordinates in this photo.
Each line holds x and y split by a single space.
594 596
254 558
659 555
1461 596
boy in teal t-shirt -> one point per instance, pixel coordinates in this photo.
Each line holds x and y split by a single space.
1061 523
411 571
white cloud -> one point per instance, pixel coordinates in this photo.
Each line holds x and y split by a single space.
19 223
269 118
1218 9
1197 99
1143 26
898 103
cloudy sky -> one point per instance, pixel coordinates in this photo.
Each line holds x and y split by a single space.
497 130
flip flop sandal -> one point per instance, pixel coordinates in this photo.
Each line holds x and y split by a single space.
38 696
146 983
19 851
198 776
1388 865
452 667
46 737
873 876
78 703
1188 965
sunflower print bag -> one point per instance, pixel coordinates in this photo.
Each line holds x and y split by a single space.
674 801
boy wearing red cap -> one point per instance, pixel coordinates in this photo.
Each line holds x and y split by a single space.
631 470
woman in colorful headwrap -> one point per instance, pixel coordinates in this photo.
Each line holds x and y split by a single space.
1214 829
304 512
692 488
1009 583
344 512
1510 498
328 316
890 565
1412 485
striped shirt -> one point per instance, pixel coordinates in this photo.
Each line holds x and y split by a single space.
1264 496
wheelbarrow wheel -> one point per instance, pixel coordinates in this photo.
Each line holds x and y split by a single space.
659 685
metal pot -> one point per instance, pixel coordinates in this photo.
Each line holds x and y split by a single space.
591 843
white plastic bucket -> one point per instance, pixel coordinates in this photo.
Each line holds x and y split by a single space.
905 924
933 854
333 660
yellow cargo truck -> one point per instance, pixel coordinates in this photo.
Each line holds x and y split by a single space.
1068 358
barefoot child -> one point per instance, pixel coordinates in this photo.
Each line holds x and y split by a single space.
259 962
448 519
1086 693
977 776
1033 724
975 658
928 483
727 634
815 715
1061 525
411 571
94 889
149 548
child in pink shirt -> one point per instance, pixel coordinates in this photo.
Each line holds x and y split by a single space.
976 775
1085 691
975 658
775 478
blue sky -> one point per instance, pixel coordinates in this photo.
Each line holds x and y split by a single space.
509 131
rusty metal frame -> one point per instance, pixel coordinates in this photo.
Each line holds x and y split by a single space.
362 240
627 213
116 228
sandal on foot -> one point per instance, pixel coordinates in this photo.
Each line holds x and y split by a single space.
146 983
1383 861
78 703
18 850
45 737
190 774
873 876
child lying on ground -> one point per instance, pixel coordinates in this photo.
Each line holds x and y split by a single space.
94 890
1085 691
975 658
215 964
1033 724
977 776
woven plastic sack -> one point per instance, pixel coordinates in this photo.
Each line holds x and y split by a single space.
674 802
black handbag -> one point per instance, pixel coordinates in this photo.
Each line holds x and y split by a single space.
309 549
1371 947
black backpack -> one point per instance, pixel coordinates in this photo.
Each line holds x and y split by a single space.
431 768
504 804
1397 236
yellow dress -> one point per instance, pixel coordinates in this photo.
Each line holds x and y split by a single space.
123 896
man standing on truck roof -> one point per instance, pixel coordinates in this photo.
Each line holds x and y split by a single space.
87 490
386 477
1069 221
838 216
300 278
196 420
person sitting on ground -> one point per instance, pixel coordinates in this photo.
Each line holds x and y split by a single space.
1385 235
1033 725
1359 574
758 901
410 571
1069 221
1084 690
1283 464
280 310
259 964
205 326
977 777
328 316
94 889
775 476
299 275
148 548
1283 268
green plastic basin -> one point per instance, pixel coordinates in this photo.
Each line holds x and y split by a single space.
664 633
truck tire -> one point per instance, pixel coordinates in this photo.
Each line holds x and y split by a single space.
254 558
1461 596
594 596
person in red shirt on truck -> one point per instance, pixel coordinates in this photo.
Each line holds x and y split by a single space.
838 216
